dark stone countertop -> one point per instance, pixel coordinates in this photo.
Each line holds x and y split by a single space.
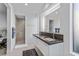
47 42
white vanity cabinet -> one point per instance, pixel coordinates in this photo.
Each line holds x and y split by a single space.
49 50
42 46
56 49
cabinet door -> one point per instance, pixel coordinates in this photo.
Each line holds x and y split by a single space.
43 47
56 49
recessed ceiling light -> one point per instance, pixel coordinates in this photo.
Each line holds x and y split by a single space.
26 4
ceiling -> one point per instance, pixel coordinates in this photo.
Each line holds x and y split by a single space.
54 14
3 8
31 8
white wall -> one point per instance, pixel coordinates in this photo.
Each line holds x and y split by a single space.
3 20
32 28
65 17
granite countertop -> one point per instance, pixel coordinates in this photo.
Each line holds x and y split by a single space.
55 41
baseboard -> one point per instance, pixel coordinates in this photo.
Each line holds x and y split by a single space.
20 46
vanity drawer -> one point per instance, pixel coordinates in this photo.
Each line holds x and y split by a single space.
43 47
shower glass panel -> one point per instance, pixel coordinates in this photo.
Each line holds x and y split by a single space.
76 28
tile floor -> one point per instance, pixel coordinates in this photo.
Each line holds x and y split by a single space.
19 51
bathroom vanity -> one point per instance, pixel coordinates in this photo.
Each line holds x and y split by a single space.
49 41
49 46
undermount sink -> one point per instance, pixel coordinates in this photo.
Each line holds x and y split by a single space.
43 37
49 39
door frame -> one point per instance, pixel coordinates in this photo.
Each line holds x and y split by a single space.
25 44
8 27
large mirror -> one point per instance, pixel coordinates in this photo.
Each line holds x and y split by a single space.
50 20
52 23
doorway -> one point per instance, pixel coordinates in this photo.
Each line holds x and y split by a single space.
20 30
51 26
